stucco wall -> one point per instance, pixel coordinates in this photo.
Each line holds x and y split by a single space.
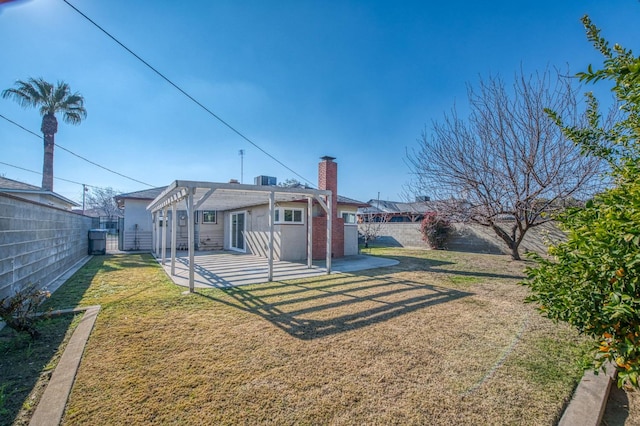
295 242
350 240
210 235
137 225
289 240
38 243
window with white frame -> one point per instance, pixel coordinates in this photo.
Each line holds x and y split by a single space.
209 216
348 217
288 215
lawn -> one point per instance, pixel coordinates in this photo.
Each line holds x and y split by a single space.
441 338
26 365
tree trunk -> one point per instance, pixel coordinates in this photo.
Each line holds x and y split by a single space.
49 128
512 243
515 254
47 166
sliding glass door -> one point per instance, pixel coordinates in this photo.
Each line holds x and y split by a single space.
237 231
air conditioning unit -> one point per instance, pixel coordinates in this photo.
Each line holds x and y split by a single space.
266 181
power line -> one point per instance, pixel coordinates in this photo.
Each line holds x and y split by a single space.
58 178
77 155
229 126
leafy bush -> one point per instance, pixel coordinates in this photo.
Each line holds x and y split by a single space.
18 311
595 283
592 281
435 230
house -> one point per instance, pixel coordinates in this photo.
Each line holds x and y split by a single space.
233 216
395 211
35 194
136 230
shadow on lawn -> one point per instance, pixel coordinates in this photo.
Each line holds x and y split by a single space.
334 305
19 377
409 263
73 290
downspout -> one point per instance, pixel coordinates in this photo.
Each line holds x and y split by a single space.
309 232
174 225
164 235
329 232
271 219
190 220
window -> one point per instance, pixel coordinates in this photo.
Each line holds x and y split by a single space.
286 215
349 218
209 216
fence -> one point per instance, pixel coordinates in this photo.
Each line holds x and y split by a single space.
468 238
38 243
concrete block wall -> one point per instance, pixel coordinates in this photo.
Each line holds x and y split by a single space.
468 237
400 234
38 243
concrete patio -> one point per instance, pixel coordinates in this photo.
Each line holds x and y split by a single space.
217 269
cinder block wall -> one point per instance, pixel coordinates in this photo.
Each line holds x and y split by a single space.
468 238
400 235
38 243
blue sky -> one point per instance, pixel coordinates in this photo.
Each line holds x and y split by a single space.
357 80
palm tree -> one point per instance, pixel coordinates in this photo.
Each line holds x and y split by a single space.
36 92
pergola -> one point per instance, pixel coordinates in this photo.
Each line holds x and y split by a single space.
192 196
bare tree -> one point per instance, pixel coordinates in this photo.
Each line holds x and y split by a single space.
102 199
507 166
371 224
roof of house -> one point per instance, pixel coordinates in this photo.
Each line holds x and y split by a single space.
17 187
346 200
396 207
98 212
145 194
14 184
151 194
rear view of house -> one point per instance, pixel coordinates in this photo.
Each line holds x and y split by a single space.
233 216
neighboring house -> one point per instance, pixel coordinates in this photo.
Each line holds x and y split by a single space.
395 211
36 194
136 232
234 216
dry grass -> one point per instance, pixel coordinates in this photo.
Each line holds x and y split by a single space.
442 338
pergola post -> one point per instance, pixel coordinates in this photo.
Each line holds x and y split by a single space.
174 233
190 226
309 232
153 232
157 233
164 235
329 232
272 206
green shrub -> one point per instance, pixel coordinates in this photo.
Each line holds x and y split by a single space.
592 281
435 230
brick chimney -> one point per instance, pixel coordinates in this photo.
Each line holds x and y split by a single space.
328 180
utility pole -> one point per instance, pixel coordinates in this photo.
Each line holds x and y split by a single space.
84 191
241 165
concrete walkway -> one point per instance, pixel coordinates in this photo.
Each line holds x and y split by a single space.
216 269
